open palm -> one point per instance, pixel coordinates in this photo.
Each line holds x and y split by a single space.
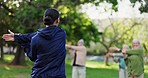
8 37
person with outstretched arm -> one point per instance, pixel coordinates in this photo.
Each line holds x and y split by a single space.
134 60
119 57
46 47
79 59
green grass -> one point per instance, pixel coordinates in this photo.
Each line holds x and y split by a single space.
94 69
14 72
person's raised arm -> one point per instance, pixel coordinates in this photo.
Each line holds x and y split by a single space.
114 49
78 48
20 38
134 52
23 38
118 55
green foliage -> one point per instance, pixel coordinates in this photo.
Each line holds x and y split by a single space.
78 26
28 17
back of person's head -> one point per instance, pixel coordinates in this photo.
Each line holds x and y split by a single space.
81 41
125 46
50 16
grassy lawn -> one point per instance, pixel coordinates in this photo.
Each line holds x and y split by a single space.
94 69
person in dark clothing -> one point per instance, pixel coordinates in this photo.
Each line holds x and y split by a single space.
46 47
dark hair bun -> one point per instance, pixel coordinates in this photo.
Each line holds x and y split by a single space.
50 16
48 20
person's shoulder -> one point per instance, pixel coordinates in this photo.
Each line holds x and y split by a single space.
61 29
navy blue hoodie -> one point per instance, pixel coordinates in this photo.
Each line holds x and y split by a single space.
47 49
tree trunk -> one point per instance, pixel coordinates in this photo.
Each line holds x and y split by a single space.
2 51
107 59
19 58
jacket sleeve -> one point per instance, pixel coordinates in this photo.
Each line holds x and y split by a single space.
78 48
135 52
117 54
23 38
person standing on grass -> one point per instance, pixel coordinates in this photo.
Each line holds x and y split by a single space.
119 58
46 47
134 60
79 59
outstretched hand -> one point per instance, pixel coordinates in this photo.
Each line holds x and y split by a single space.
8 37
68 46
114 49
109 55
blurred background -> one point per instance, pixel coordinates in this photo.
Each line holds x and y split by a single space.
101 23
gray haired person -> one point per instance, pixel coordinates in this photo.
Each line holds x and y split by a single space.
79 59
134 60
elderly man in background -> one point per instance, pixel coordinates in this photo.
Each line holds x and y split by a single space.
134 60
79 59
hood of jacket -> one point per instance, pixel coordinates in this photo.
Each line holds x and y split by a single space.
48 32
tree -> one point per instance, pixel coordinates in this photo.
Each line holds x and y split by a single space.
143 7
19 58
2 51
111 35
26 16
121 31
5 23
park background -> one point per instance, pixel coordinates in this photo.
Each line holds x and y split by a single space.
101 23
